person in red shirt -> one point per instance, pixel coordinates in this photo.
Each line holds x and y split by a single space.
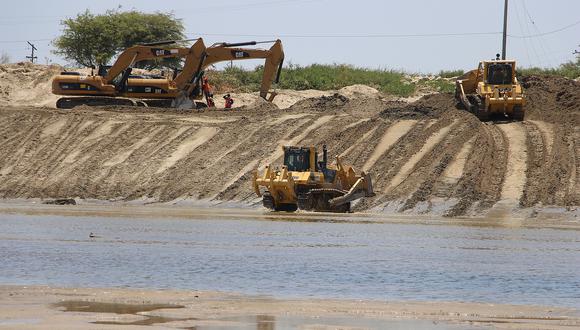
206 88
229 101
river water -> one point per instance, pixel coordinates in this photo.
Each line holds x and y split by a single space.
289 259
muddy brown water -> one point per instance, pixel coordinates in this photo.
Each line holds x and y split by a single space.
288 259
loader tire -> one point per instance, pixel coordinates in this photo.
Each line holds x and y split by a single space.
518 113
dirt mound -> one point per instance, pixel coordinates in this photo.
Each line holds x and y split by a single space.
552 98
27 84
359 91
258 105
429 106
323 103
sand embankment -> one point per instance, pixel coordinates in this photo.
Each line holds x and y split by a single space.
424 157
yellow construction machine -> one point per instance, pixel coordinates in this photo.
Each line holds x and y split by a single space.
117 85
492 89
305 183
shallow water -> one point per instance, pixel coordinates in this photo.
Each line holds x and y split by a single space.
382 261
261 322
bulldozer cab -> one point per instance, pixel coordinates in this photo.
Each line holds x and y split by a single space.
300 159
499 73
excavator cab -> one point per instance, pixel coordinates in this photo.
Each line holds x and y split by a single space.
103 70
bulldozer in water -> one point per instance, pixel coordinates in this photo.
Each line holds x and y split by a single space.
117 85
307 184
492 89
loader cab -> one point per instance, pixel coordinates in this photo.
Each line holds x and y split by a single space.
499 73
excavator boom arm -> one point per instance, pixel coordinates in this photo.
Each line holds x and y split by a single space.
202 58
137 54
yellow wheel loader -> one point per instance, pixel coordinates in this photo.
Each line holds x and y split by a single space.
305 183
116 85
492 89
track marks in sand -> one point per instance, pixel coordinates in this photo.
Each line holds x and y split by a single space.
200 137
285 118
454 171
390 137
359 141
122 157
574 151
249 167
515 177
547 133
407 169
54 128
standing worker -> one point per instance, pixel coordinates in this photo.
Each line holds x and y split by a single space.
229 101
206 88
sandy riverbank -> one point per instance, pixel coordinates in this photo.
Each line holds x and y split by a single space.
556 218
79 308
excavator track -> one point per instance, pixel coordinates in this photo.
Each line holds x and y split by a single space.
71 102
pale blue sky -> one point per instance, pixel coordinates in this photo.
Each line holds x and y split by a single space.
317 31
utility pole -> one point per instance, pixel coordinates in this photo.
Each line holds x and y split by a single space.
32 57
505 23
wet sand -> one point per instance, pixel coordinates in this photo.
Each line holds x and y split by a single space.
61 308
500 216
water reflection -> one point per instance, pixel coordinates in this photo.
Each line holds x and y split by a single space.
249 322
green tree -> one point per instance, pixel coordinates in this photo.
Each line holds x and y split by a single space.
91 40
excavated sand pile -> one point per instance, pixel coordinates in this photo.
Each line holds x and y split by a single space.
27 84
424 157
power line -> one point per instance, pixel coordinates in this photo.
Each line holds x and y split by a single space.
21 41
411 35
346 36
546 33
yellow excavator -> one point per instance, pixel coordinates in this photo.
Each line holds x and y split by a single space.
115 85
492 89
305 183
